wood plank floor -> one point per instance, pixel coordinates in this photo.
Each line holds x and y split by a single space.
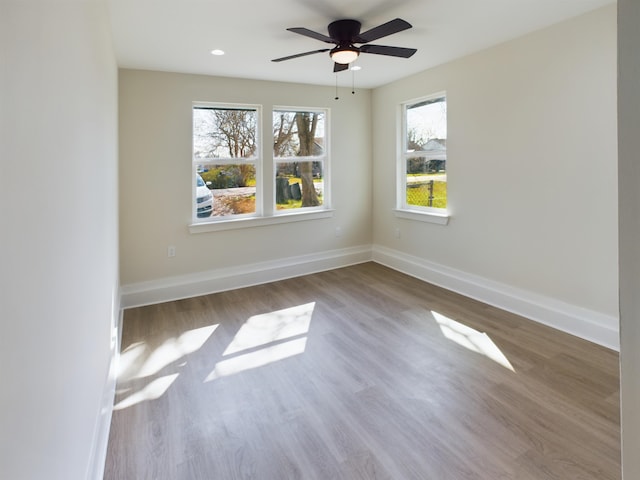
358 373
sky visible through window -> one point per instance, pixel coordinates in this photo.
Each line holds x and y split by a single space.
428 119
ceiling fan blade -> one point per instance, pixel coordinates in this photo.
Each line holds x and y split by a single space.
391 51
389 28
310 33
300 55
339 67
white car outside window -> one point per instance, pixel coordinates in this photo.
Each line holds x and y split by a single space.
204 198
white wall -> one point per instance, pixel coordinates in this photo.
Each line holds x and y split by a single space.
629 194
531 164
58 204
155 175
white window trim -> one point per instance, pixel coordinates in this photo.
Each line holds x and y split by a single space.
250 222
438 216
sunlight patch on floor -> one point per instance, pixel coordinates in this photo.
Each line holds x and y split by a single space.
133 363
265 339
258 358
271 327
129 358
139 361
151 391
471 339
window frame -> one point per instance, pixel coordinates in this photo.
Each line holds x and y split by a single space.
324 159
266 212
404 209
256 159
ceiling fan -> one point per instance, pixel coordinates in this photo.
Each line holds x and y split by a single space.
345 34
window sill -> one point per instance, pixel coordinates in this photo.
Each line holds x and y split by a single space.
428 217
220 225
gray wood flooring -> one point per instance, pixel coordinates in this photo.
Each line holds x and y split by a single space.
358 373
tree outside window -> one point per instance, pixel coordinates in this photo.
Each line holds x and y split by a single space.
299 151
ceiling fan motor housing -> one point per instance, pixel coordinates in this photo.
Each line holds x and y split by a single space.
344 32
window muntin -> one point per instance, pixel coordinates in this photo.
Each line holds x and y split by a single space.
422 169
300 158
226 157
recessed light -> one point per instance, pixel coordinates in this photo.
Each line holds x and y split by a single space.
355 68
217 52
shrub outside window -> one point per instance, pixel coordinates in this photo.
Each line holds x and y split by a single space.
226 159
422 169
300 159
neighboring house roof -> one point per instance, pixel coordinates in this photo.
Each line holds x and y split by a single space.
435 144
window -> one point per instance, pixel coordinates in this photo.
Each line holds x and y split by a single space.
226 161
422 168
300 159
234 188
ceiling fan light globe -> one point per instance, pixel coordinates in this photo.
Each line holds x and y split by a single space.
344 56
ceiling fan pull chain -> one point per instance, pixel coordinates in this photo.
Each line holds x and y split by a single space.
336 87
353 82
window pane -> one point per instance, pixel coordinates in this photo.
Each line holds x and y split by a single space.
427 126
299 185
298 134
426 183
232 188
225 154
224 133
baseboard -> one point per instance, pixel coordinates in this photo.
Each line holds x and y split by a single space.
584 323
203 283
103 422
587 324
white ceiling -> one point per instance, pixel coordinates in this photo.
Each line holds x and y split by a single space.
178 35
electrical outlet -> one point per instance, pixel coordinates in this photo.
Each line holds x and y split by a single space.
171 251
338 231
